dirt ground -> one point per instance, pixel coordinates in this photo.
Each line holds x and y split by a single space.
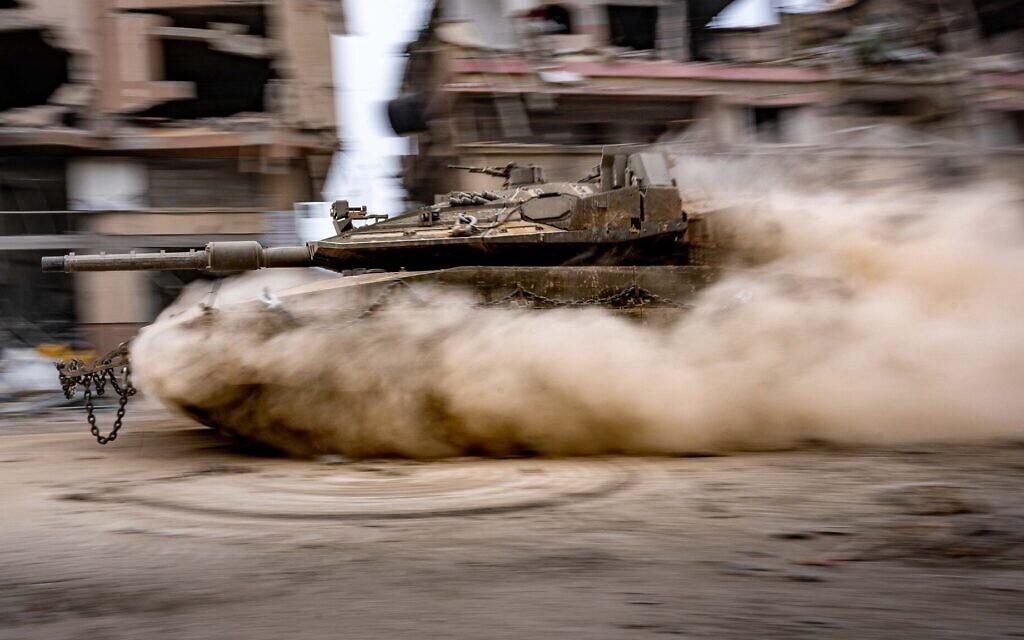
173 533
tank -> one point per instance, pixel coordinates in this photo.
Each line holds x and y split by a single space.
618 238
627 212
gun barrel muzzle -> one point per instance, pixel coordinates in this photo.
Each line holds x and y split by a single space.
217 256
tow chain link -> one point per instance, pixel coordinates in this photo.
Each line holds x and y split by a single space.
94 377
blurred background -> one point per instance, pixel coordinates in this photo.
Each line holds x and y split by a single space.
163 124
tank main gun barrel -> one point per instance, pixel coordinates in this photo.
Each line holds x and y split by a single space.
217 256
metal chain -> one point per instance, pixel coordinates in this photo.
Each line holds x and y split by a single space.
93 378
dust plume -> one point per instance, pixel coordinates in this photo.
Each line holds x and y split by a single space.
850 318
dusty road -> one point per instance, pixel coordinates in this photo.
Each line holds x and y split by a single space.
173 533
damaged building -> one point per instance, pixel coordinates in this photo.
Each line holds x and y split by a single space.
495 81
148 125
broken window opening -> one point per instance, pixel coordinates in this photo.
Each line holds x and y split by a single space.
886 108
30 69
632 27
225 84
71 119
999 17
768 124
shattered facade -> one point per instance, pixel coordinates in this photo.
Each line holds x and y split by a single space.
144 124
496 81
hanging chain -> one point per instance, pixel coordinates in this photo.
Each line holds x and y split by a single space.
94 377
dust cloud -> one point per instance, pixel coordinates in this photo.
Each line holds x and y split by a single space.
875 318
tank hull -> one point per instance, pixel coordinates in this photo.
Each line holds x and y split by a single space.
538 251
663 290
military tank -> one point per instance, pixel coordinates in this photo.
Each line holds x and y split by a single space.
617 238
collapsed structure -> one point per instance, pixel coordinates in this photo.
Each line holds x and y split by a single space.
496 81
145 114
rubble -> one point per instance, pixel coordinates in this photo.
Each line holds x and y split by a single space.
217 110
